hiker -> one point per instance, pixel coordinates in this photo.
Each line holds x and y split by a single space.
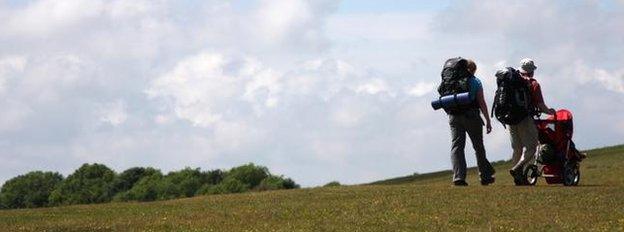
524 134
458 77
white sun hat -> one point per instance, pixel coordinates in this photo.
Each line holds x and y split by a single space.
527 65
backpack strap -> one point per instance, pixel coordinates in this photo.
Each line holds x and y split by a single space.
494 106
533 110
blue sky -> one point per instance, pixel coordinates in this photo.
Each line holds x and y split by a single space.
317 90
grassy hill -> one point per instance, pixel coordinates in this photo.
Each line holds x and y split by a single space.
411 203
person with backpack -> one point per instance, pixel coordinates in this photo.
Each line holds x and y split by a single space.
524 136
457 78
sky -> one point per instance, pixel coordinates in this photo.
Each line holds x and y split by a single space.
318 91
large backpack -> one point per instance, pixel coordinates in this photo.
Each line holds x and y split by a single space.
455 80
512 102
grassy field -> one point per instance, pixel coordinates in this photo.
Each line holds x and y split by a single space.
412 203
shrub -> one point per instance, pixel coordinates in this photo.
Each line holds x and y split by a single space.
249 174
96 183
30 190
229 185
205 189
126 180
214 177
332 184
186 182
148 188
276 182
167 189
290 184
91 183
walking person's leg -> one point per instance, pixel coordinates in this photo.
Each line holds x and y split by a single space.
474 127
516 143
458 143
529 136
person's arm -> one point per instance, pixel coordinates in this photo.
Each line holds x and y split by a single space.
545 109
541 106
484 110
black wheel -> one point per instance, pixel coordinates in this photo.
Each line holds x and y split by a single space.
578 176
531 174
571 174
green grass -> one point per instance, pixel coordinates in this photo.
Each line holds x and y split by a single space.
412 203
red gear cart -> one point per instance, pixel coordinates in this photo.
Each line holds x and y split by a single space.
556 131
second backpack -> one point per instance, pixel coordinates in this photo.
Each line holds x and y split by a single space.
512 102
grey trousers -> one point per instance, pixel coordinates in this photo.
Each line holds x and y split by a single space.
524 141
468 123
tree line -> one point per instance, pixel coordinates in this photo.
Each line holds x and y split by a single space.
96 183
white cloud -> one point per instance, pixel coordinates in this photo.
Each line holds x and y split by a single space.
372 87
296 23
9 65
13 116
163 119
208 88
48 16
347 116
264 86
611 81
114 113
621 127
379 27
501 64
280 17
421 89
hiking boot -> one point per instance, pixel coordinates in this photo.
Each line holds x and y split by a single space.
460 183
518 177
488 181
582 155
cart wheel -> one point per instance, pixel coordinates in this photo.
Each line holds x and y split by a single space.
531 174
571 174
578 176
